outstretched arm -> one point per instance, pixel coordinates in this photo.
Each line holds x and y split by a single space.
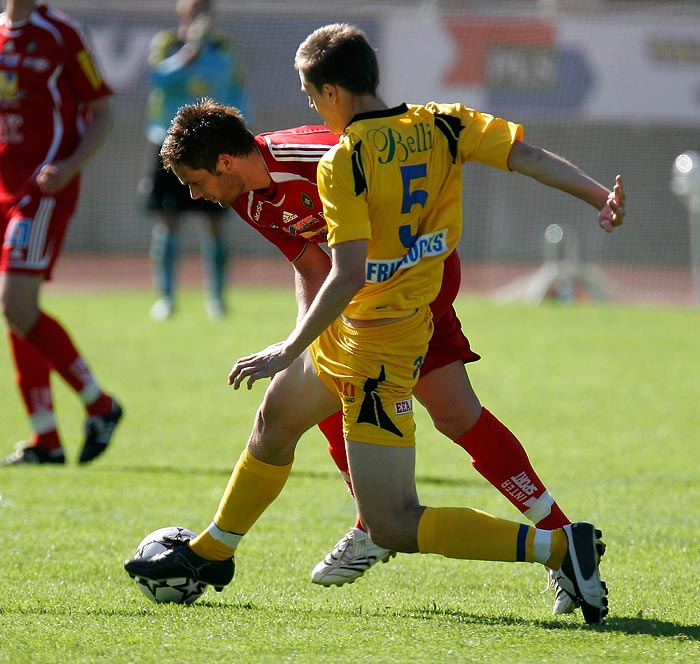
554 171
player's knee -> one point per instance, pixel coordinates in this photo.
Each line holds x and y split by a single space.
393 540
453 428
270 431
399 533
20 317
457 421
271 440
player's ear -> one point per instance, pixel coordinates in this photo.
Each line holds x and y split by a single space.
224 162
329 92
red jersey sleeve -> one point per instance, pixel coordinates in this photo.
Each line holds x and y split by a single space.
82 73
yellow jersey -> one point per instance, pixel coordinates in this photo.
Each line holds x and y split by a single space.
395 179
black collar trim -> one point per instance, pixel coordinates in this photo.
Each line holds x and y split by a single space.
401 109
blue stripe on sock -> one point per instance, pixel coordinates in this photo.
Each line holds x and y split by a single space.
522 536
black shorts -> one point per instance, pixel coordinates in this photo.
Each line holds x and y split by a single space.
168 194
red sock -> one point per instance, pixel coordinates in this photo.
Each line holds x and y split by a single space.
332 428
499 456
46 441
32 375
54 343
100 406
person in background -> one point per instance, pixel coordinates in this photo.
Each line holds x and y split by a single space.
55 112
186 63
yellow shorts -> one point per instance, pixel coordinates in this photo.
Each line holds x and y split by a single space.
373 371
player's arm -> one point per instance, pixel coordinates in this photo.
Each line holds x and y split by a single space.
159 47
554 171
346 277
54 176
310 271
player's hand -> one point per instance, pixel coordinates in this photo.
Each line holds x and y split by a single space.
263 364
53 177
613 212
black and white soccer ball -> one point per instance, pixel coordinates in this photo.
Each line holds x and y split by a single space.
175 591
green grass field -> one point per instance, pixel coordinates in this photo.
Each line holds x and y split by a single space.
604 398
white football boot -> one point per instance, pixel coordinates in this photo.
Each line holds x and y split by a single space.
350 558
563 602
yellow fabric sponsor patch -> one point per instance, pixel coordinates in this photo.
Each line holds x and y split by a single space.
88 68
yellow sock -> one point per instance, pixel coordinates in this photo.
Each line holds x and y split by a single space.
471 534
210 548
560 545
253 486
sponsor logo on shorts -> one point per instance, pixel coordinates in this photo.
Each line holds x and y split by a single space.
403 407
346 390
372 410
17 236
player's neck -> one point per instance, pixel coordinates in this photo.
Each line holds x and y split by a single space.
258 174
347 106
368 104
18 11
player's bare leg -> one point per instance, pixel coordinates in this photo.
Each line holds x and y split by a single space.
449 397
385 492
451 418
384 485
39 345
496 453
20 300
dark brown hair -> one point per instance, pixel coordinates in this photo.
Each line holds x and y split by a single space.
200 132
339 54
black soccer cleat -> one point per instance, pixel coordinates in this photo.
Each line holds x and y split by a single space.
181 562
579 576
98 432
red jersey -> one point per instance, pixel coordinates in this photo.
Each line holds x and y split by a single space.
47 74
289 213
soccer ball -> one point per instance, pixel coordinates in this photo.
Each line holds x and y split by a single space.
176 591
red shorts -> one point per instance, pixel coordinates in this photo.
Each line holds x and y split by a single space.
448 343
32 228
